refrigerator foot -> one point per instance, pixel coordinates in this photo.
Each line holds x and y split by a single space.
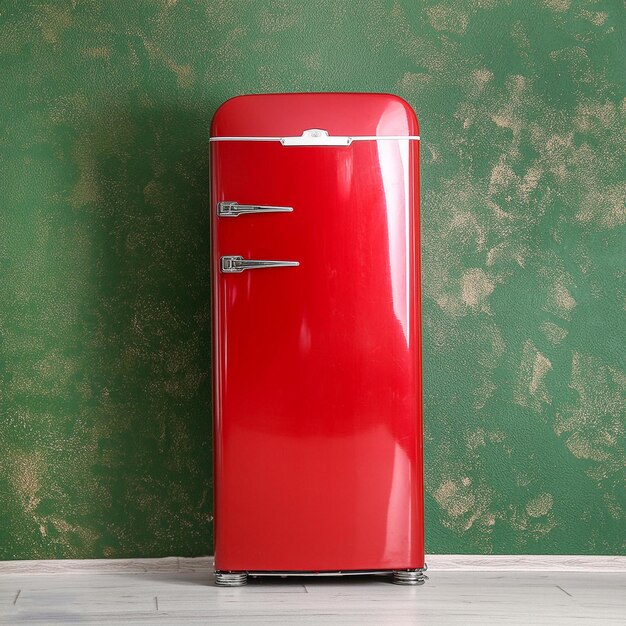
231 579
408 577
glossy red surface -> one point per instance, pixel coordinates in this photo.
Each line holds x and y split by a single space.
277 115
317 415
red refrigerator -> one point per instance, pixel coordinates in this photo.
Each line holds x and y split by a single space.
316 337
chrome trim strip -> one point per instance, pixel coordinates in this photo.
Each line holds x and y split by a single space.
304 573
352 138
408 573
244 139
382 137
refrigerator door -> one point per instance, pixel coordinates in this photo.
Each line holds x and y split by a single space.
317 416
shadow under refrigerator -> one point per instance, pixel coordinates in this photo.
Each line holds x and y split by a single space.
316 337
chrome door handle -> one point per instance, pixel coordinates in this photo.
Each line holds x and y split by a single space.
233 209
237 264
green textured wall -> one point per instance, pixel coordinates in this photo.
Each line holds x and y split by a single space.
105 445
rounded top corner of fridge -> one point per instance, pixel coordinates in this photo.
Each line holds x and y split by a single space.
291 114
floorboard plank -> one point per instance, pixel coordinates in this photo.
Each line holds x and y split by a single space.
449 598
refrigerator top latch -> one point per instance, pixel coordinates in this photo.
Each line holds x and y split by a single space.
316 137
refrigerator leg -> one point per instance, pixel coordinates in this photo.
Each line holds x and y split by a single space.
231 579
408 577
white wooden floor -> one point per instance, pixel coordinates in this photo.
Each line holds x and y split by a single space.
179 597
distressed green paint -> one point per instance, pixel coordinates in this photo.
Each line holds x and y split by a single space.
105 446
